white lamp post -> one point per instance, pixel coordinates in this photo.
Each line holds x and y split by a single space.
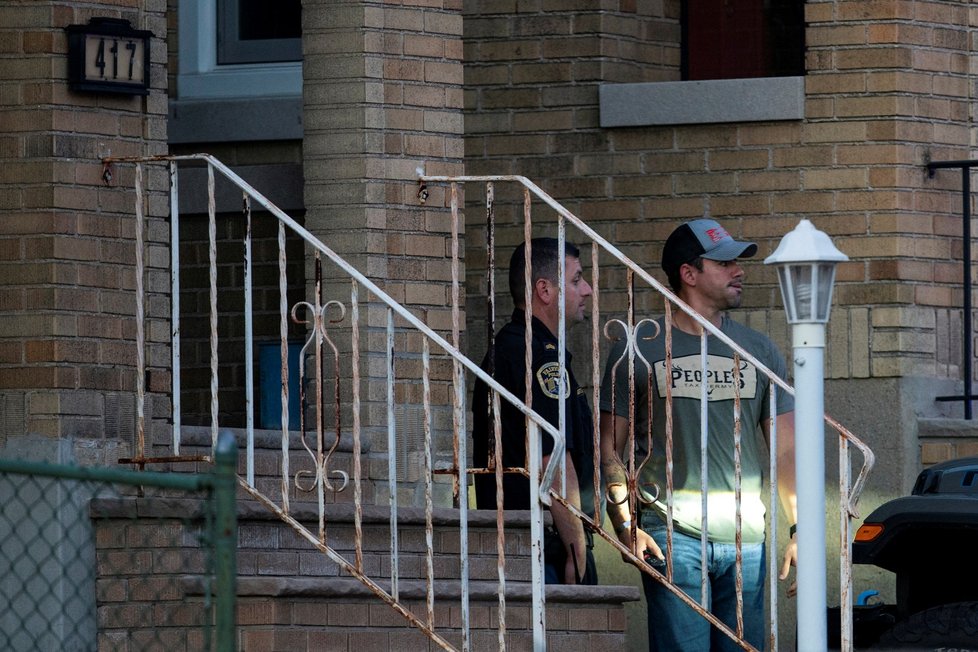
806 260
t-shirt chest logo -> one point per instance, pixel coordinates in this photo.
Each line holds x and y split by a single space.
722 379
549 378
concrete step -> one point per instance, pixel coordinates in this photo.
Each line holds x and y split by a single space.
293 554
291 596
267 546
196 442
343 614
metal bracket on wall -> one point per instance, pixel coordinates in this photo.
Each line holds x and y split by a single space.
966 364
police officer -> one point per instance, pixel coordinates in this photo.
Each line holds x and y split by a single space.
567 548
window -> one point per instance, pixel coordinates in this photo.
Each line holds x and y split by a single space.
740 39
240 71
259 31
257 57
741 61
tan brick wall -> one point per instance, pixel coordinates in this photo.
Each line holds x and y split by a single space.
383 96
896 75
887 89
934 452
194 302
66 267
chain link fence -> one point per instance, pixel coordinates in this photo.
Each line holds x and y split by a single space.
109 559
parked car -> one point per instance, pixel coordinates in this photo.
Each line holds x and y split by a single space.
929 539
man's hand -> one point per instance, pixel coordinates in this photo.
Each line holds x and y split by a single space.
643 542
790 559
614 436
569 527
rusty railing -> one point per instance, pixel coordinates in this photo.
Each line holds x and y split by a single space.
849 491
429 369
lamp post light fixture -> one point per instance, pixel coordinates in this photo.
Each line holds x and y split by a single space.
806 260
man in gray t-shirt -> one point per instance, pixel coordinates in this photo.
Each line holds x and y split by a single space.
700 260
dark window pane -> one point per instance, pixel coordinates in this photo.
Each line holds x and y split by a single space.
269 19
730 39
259 31
786 27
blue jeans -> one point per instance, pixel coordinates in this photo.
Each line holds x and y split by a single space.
673 625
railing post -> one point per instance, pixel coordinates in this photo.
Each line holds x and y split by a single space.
225 540
966 256
538 587
249 348
175 306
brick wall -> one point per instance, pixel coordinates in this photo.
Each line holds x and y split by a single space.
195 331
531 108
942 440
933 452
66 238
887 89
195 309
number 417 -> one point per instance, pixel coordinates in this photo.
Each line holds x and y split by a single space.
100 61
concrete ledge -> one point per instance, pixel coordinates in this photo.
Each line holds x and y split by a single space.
947 428
702 102
239 119
333 588
166 507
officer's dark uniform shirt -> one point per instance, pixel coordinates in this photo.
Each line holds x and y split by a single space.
510 372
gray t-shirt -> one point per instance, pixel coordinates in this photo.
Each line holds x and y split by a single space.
684 376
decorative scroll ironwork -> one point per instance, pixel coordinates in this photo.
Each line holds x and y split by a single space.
318 336
631 350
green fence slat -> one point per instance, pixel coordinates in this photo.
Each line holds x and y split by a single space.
185 481
225 539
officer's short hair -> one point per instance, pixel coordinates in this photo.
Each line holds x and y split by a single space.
544 261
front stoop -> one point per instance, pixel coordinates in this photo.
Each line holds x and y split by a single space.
314 614
293 597
196 441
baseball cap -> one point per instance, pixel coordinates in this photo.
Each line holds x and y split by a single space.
704 238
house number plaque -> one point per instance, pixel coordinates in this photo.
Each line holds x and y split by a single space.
108 56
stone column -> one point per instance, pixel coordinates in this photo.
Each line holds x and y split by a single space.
67 300
67 304
382 97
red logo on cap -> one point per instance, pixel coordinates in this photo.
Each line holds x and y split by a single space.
717 234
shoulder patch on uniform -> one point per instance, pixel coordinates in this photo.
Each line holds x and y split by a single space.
550 347
550 382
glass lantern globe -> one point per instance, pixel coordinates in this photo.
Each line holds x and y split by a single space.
806 261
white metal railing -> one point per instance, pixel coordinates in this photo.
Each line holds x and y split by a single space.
449 350
849 491
280 504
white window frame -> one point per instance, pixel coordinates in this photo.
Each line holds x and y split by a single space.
200 77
